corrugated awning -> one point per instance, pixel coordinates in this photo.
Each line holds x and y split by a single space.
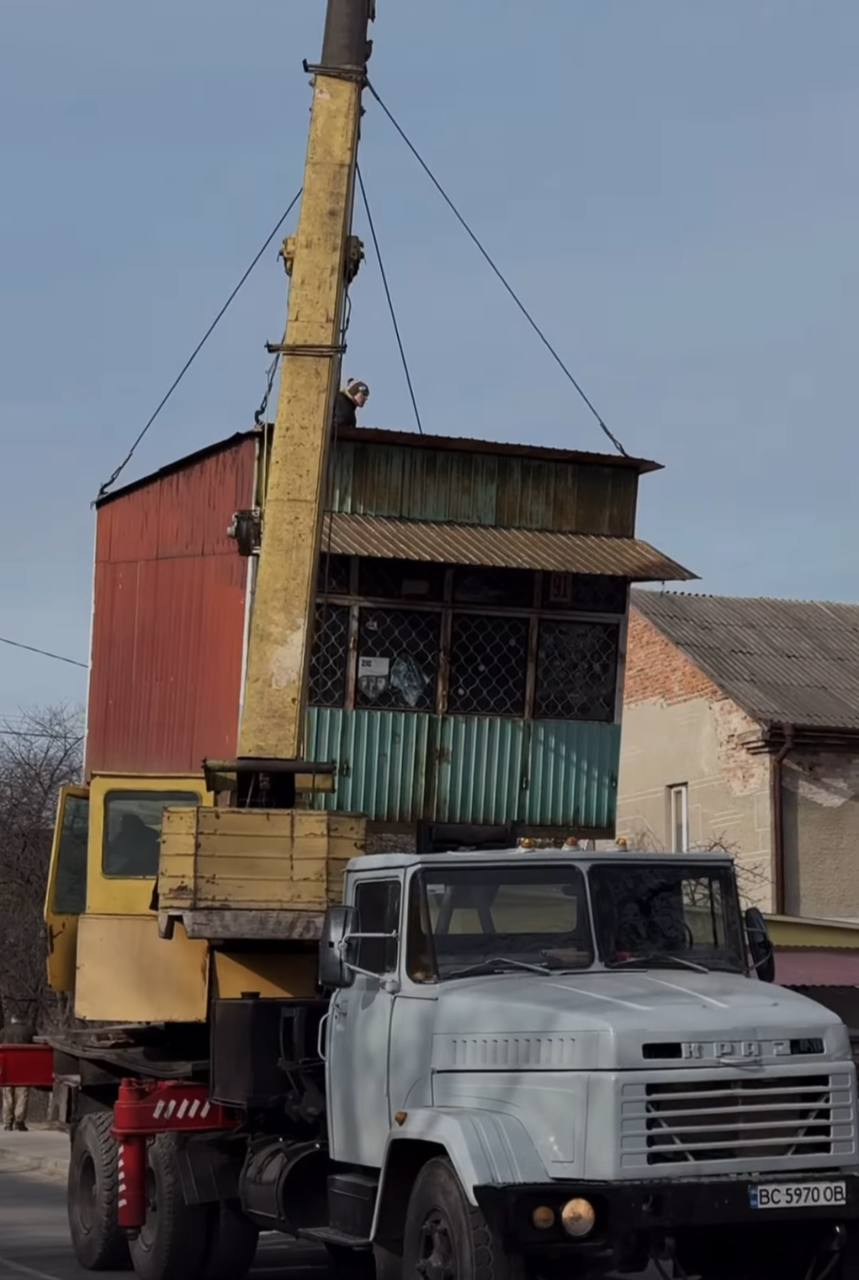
392 539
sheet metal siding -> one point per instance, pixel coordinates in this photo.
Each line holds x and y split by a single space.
477 765
382 759
573 773
520 493
169 619
480 769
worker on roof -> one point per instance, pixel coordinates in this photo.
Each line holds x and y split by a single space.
348 401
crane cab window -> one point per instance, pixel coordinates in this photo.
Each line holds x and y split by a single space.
70 884
132 830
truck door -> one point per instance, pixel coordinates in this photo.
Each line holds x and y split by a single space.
359 1031
66 893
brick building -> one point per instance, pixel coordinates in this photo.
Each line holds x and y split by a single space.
741 728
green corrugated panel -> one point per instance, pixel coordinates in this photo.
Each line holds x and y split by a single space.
416 484
478 488
381 758
573 774
344 465
480 769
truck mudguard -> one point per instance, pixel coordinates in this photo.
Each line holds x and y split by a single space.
483 1147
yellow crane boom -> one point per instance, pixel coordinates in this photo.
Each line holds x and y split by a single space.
320 260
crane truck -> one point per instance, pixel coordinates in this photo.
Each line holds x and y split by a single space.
480 1065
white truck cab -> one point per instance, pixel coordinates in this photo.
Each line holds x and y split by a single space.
575 1057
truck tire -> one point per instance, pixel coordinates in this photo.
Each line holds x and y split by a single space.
389 1265
171 1244
93 1195
447 1237
350 1264
232 1243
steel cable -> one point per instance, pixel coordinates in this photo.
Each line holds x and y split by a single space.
497 270
391 307
115 474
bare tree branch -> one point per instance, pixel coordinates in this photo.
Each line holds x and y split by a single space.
38 754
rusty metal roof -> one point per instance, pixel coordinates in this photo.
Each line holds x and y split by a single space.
792 662
443 543
383 436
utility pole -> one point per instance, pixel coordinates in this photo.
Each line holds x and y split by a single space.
320 261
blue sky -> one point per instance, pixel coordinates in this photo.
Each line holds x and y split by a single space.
672 187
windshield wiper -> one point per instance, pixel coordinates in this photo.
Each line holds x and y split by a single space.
496 963
659 957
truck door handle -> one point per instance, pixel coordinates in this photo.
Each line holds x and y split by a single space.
320 1036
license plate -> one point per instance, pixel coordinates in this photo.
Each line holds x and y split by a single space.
797 1195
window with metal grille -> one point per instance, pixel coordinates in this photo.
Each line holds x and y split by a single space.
488 665
334 574
398 659
576 671
588 592
328 656
400 579
509 588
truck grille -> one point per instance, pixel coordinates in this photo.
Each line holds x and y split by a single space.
777 1118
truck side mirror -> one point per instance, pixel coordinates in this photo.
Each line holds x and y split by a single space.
333 945
760 946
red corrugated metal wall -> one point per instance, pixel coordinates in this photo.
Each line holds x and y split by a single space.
169 614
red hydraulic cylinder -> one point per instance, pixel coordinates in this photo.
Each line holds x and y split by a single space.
145 1108
131 1206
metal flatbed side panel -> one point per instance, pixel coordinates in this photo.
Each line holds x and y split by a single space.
225 925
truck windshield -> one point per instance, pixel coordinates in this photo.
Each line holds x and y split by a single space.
495 918
677 916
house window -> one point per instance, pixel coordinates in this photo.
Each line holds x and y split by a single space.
678 817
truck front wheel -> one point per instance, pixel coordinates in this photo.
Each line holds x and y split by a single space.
93 1195
446 1238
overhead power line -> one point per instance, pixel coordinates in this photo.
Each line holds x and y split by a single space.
391 308
199 347
497 270
51 737
46 653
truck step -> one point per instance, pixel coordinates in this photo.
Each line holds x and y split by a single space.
330 1235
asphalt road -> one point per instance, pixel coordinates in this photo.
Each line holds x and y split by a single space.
34 1238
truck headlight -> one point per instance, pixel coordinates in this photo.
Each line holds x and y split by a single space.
578 1217
543 1217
